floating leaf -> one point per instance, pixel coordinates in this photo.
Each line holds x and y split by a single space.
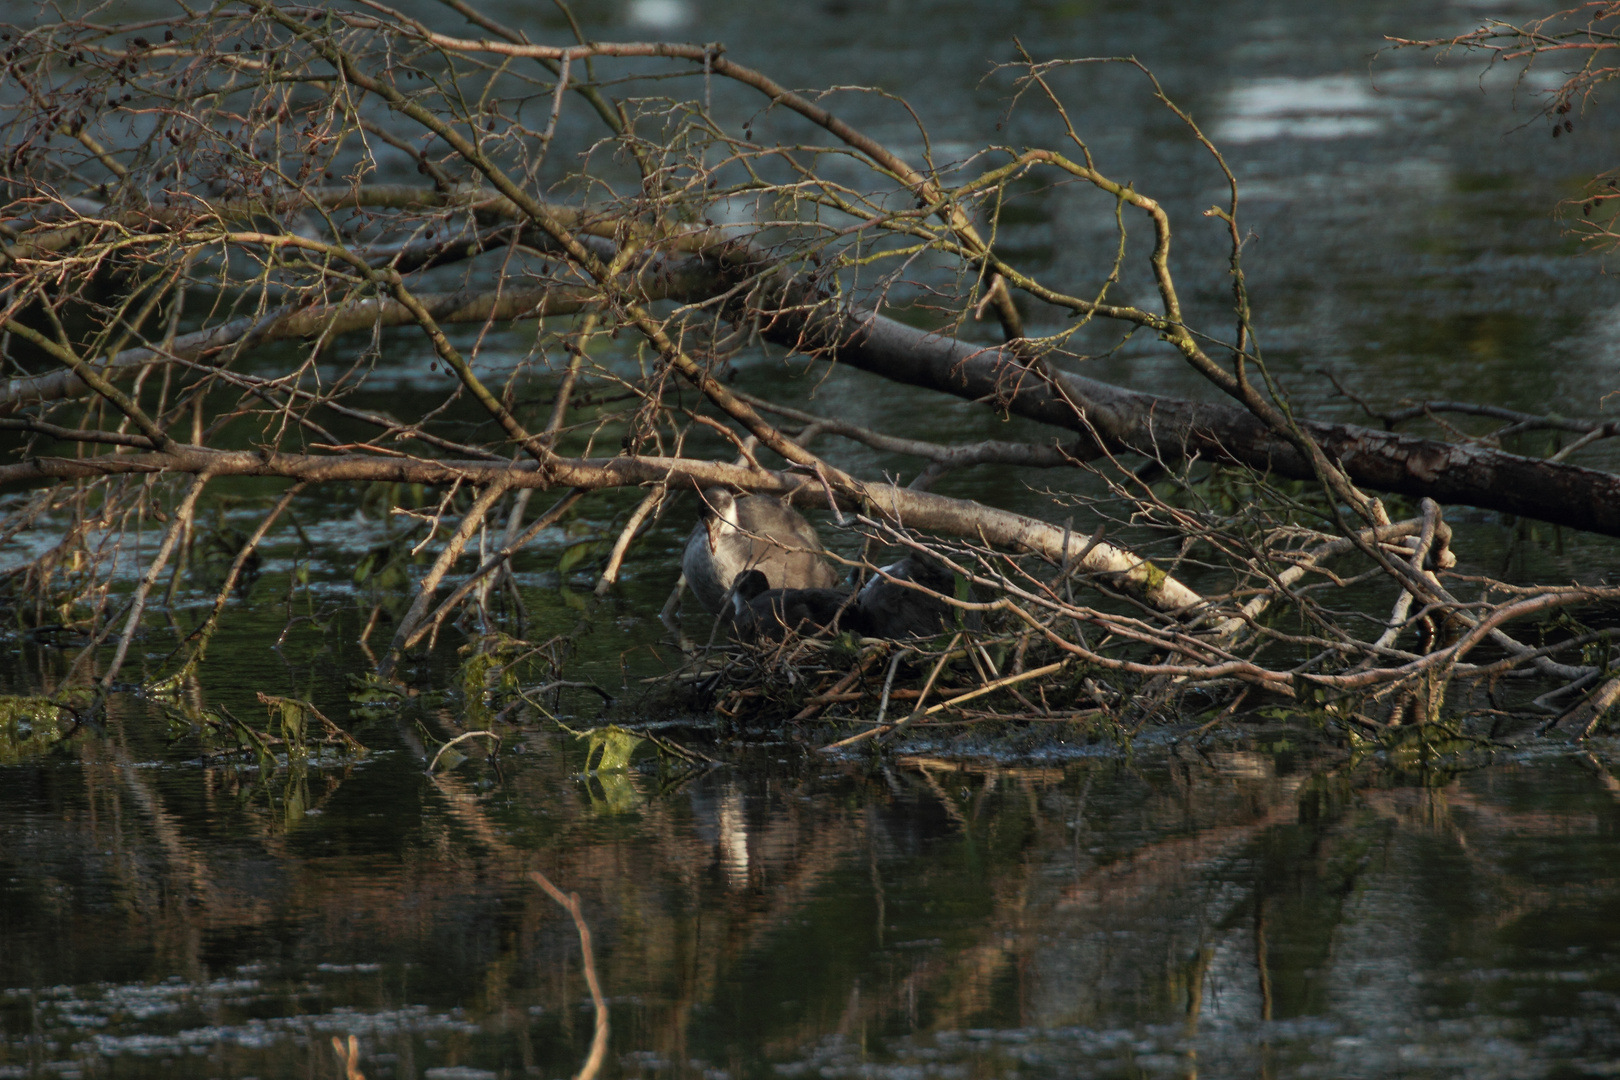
371 698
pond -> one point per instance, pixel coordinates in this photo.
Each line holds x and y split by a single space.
1259 901
1262 907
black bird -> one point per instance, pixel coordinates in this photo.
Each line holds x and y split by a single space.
886 609
761 613
755 532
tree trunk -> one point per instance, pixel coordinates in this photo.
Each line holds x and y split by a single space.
1173 428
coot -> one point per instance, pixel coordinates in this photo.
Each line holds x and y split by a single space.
761 613
753 532
887 609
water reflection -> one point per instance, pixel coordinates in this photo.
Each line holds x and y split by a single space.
1249 909
1325 107
658 16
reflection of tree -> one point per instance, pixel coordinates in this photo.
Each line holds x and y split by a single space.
743 918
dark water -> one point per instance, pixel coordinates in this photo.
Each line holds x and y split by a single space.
1270 909
1256 906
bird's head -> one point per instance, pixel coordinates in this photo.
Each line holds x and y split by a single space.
749 585
719 510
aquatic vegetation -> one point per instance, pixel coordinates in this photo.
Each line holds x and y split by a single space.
32 726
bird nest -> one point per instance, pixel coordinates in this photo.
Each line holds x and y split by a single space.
934 640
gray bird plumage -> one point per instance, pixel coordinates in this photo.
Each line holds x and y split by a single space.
754 532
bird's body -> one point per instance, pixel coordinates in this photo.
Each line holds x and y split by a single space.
760 613
754 532
884 608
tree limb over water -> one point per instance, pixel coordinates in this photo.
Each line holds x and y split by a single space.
1112 417
205 238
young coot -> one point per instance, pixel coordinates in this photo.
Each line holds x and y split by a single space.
885 608
761 613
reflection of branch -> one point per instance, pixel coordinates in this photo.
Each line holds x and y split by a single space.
350 1056
570 904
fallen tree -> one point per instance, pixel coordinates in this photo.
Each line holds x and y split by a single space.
1114 419
233 216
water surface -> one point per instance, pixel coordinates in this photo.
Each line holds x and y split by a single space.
1269 907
